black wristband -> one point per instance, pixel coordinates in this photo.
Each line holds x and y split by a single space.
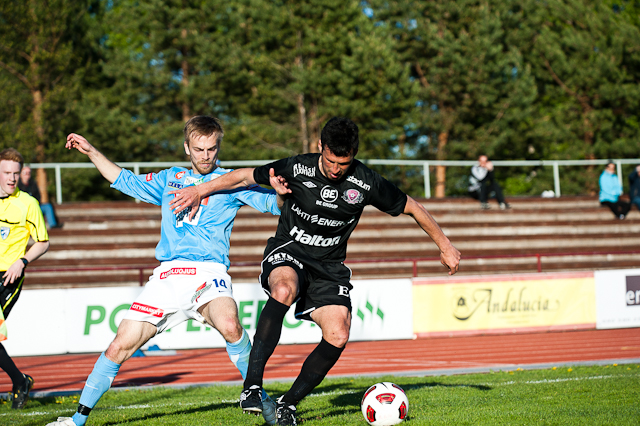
25 261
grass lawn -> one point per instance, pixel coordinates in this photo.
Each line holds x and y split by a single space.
599 395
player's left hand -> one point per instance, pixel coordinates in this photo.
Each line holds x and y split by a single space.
450 258
185 198
278 183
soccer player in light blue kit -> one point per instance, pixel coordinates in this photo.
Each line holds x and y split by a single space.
191 281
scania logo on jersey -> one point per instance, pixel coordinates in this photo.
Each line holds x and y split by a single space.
329 194
149 177
313 240
358 182
301 169
204 287
178 271
156 312
179 175
352 196
323 221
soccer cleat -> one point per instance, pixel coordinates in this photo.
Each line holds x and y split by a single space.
505 206
63 421
251 400
21 395
285 414
268 409
485 206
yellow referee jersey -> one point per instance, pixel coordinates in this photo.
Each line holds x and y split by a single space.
20 217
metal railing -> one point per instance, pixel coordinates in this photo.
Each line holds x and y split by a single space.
424 164
413 260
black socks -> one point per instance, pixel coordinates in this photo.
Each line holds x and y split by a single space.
314 370
265 340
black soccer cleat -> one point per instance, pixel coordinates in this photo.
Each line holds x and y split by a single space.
251 400
285 414
21 395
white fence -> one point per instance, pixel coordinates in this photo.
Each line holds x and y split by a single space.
424 164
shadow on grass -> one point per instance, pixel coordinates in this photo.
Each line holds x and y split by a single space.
199 409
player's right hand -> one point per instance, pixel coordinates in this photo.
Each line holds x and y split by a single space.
451 259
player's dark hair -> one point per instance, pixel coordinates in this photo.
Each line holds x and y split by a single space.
202 125
340 135
12 154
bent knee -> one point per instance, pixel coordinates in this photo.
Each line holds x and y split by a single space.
284 293
337 338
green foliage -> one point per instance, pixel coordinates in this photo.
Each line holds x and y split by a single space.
564 395
422 79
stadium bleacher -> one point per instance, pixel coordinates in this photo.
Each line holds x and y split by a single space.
575 231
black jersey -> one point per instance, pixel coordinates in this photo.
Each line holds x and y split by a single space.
320 214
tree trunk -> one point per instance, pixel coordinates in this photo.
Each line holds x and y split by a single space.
186 110
315 127
41 175
441 171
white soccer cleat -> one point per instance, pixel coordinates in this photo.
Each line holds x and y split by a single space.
268 409
63 421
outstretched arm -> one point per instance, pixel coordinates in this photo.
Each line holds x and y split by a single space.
449 255
192 195
106 167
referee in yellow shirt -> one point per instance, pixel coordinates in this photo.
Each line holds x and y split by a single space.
20 217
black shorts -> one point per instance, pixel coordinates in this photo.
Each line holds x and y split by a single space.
9 294
321 283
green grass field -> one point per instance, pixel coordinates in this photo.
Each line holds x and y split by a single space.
602 395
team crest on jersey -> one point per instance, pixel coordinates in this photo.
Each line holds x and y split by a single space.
309 184
4 232
352 196
180 175
204 287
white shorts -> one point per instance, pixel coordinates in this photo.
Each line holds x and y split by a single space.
176 290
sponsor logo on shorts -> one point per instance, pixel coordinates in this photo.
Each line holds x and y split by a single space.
323 221
175 185
358 182
632 297
178 271
180 175
313 240
4 232
156 312
343 290
301 169
353 196
284 257
149 177
204 287
309 184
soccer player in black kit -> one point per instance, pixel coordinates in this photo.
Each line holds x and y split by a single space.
303 263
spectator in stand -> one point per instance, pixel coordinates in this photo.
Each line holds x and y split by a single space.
28 185
634 187
610 191
482 182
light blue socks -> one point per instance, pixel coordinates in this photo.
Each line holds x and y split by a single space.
98 382
239 354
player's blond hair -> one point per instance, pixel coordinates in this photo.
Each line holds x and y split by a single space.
12 154
202 125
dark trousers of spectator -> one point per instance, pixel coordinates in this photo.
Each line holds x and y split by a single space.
619 208
489 185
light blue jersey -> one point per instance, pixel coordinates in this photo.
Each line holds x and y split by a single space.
206 237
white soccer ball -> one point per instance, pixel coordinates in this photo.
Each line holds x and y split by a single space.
384 404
